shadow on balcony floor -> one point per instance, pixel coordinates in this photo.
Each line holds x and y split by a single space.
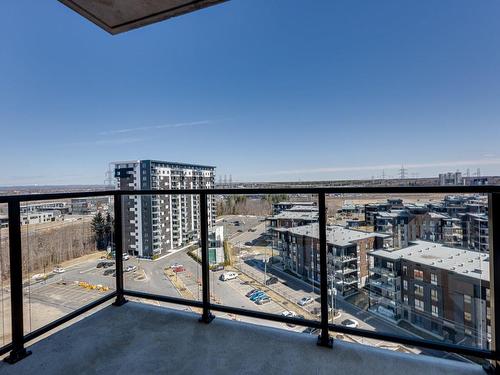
143 339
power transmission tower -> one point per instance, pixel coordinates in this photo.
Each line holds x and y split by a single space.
402 172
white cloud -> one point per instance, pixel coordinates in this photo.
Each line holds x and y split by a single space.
165 126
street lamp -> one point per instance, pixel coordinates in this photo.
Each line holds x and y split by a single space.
333 294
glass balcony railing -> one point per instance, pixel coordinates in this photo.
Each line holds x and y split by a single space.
244 274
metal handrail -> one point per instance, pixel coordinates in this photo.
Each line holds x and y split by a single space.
18 351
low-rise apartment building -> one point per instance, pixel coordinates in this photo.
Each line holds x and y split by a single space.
284 206
439 289
298 248
290 219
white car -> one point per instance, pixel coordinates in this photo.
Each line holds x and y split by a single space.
350 323
289 314
305 301
59 270
38 276
228 276
130 268
126 257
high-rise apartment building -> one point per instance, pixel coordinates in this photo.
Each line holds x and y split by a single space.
152 225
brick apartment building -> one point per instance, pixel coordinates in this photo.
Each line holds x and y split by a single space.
439 289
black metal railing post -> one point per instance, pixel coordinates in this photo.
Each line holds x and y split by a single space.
118 242
324 338
494 244
18 351
206 316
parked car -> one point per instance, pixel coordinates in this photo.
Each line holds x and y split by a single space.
254 293
272 280
130 268
178 268
228 276
126 257
105 264
289 314
257 295
264 300
218 267
251 292
312 331
109 271
248 243
38 276
350 323
305 301
59 270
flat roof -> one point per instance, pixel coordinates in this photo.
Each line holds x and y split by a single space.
461 261
335 234
118 16
176 163
295 215
436 215
303 208
306 203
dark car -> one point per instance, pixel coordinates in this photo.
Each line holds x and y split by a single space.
109 271
218 267
272 280
251 292
312 331
105 264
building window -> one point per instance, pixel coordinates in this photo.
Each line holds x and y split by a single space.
435 311
467 316
467 298
405 269
434 295
390 266
434 279
418 274
419 290
419 305
405 299
405 285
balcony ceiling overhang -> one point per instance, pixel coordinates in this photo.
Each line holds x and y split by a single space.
118 16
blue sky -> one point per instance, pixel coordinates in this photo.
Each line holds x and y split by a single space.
263 89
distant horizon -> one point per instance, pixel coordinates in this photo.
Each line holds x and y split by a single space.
253 182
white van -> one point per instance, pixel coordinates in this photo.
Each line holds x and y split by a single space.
228 276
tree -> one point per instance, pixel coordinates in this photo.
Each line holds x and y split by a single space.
108 229
99 228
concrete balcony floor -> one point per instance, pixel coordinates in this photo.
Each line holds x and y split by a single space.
144 339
